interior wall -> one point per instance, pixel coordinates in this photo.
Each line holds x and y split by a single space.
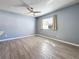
15 25
67 24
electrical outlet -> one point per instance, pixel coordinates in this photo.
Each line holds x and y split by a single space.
1 33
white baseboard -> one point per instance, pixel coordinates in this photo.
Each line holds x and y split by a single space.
43 37
58 40
16 38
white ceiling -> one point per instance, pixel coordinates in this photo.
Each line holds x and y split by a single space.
45 6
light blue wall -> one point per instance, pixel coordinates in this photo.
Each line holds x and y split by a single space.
68 24
15 25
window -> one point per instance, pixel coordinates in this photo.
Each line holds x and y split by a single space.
49 23
46 23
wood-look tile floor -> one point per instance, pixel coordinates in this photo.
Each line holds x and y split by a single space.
37 48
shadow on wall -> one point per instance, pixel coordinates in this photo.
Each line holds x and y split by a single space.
68 24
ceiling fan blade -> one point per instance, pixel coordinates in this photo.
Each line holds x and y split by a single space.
26 5
31 9
36 11
30 14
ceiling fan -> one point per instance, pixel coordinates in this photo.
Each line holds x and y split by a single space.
29 8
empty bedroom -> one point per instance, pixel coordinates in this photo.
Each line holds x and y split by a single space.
39 29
